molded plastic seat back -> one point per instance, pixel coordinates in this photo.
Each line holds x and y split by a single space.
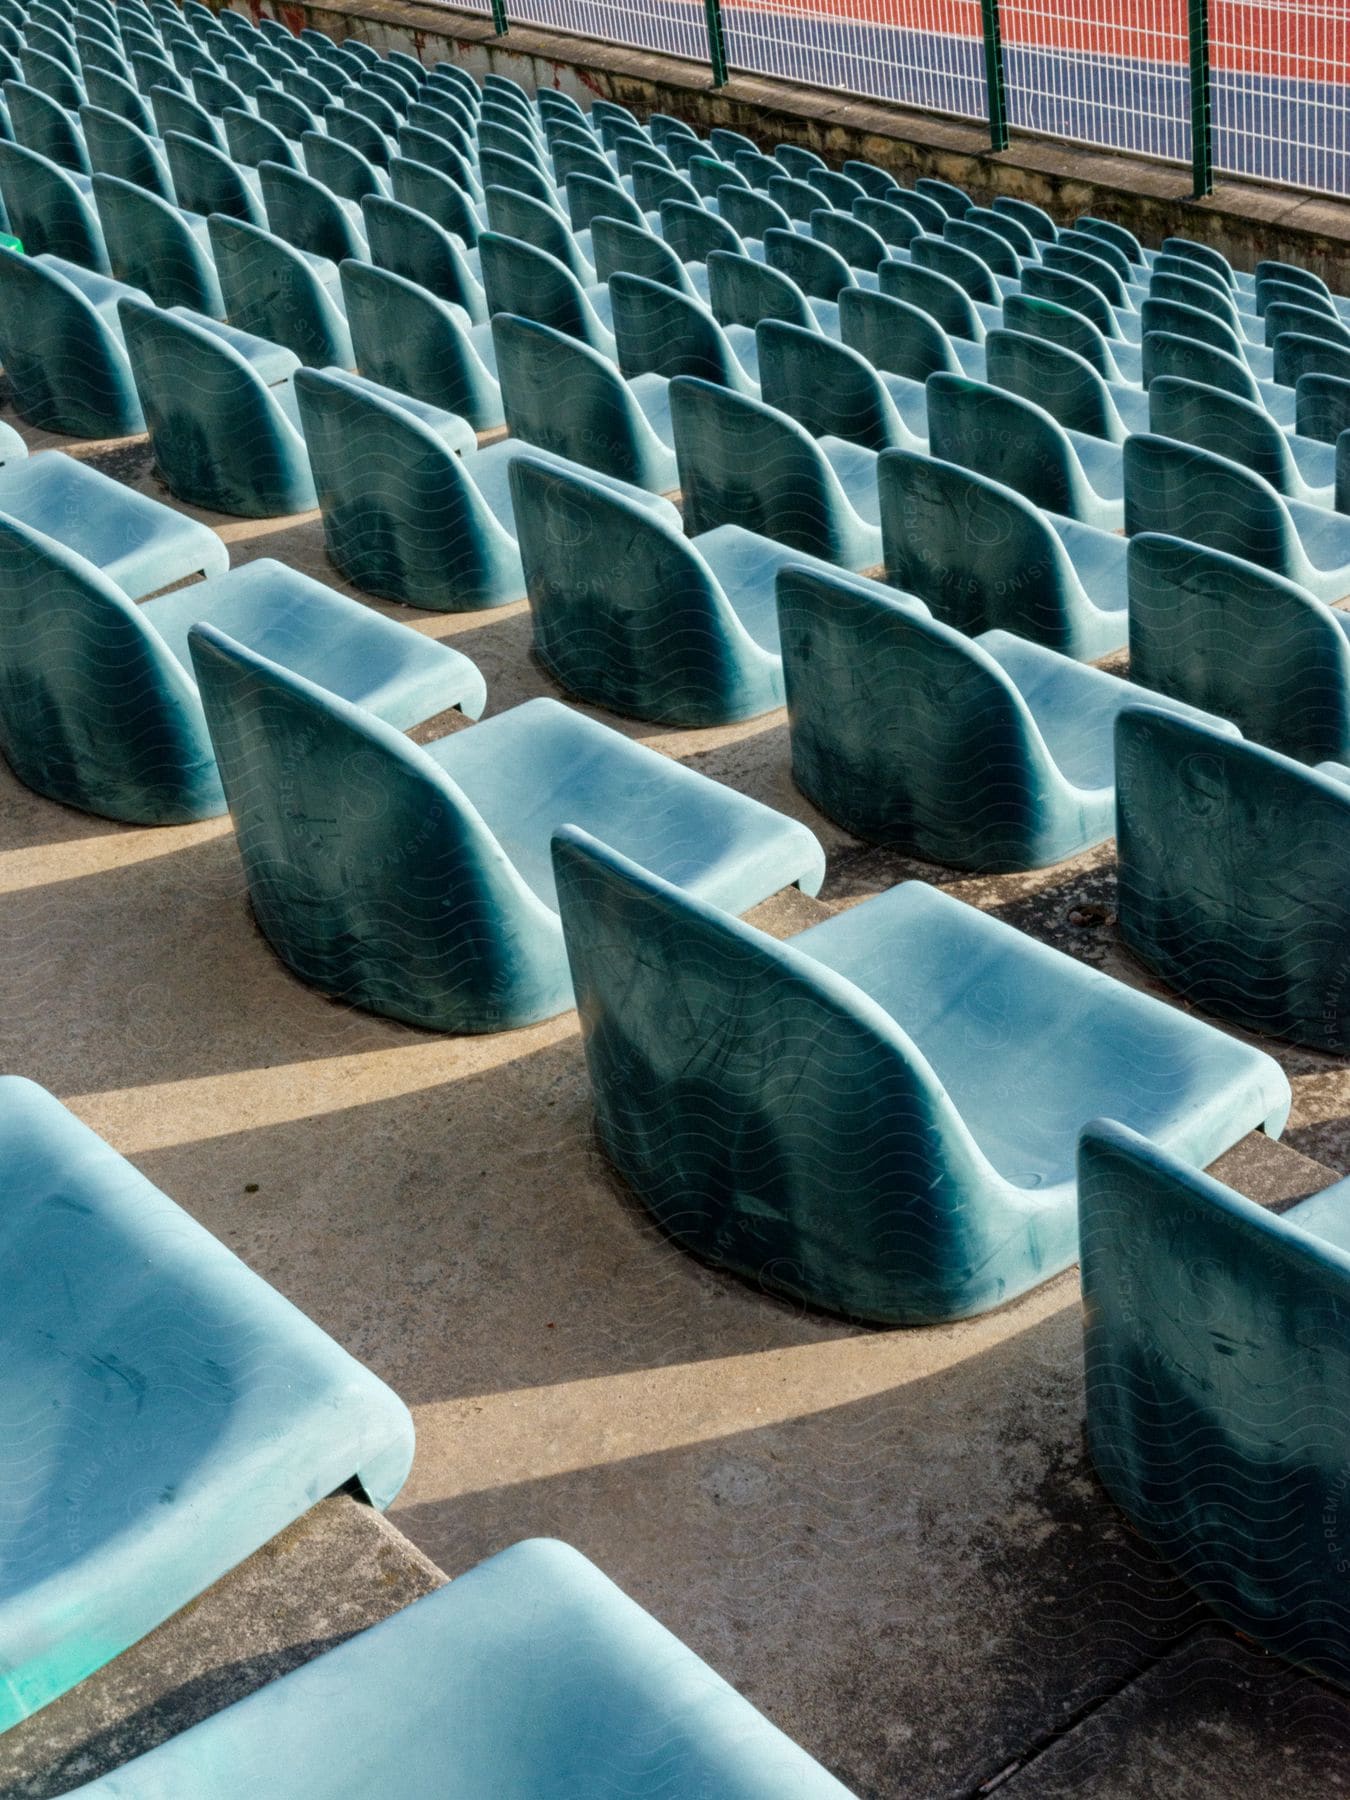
1062 325
722 1060
1242 643
273 292
904 731
519 279
1227 1464
307 214
1050 376
369 872
1168 353
516 215
933 292
1011 440
94 709
1237 429
626 613
47 212
206 181
968 271
66 368
825 386
1323 407
408 243
151 247
401 517
219 436
1250 924
1296 356
816 269
742 291
118 148
405 338
660 331
45 126
1184 492
428 191
895 336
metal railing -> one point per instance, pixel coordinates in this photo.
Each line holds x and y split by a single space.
1253 88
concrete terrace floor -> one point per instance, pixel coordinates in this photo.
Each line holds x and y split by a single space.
891 1541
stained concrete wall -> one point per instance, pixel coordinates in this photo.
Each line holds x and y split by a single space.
1247 221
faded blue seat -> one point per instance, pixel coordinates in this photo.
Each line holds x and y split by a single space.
531 1676
121 149
274 291
1241 642
1184 492
1169 353
177 111
658 330
519 279
589 199
404 337
743 463
49 210
408 243
1216 1360
567 398
620 247
1074 330
904 341
98 707
309 215
404 515
935 293
983 558
1018 443
341 168
206 181
742 291
137 543
430 896
630 614
155 247
835 392
516 215
220 412
1250 924
159 1370
1322 407
1065 385
1192 413
62 348
46 126
828 1116
990 754
252 140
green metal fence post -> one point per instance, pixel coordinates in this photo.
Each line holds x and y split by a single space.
717 47
993 74
1202 145
500 24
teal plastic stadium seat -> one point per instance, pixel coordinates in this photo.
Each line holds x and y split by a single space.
291 117
835 392
954 201
427 190
1065 384
933 292
1250 924
1184 492
1228 1464
1305 321
860 246
1018 443
660 331
405 338
123 150
341 168
1040 282
827 1116
516 215
565 397
838 189
589 199
429 897
631 615
1300 468
1168 353
1072 330
742 291
224 436
309 215
52 78
46 127
154 246
1322 407
900 339
1033 219
989 754
203 1454
273 291
1001 247
619 247
48 211
63 356
871 179
98 707
1236 640
355 131
743 463
983 558
899 217
206 181
181 113
798 160
252 140
1296 356
115 94
970 272
408 243
519 279
820 273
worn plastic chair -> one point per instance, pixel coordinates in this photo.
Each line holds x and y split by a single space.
623 248
155 247
902 340
516 215
989 754
429 897
659 330
273 291
1228 1461
410 244
983 558
530 1675
1191 413
62 348
309 215
565 397
517 278
206 181
935 293
48 211
1065 385
98 708
1184 492
1073 330
743 463
835 392
742 291
827 1116
220 413
630 614
160 1370
46 126
121 149
1241 642
405 338
1250 923
1018 443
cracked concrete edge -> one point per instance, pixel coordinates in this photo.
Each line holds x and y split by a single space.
1247 221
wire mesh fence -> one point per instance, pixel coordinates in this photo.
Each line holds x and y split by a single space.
1255 88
